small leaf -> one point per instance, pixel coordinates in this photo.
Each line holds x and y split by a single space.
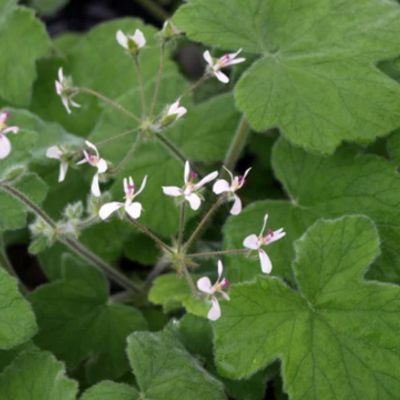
17 321
336 335
36 375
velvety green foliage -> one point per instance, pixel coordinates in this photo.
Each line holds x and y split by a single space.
316 77
164 370
335 318
79 303
23 38
345 183
36 375
107 390
17 321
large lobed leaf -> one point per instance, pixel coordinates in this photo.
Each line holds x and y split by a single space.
316 78
337 335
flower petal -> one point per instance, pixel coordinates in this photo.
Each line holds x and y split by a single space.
278 234
4 116
11 129
142 186
251 242
221 186
207 57
215 310
5 147
134 210
186 174
237 206
122 39
95 188
63 171
54 152
221 76
139 38
101 166
204 285
220 269
266 265
208 178
173 191
194 201
107 209
264 224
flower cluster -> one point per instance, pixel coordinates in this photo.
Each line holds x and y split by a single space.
5 144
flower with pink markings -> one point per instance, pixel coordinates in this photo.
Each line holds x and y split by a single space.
172 114
5 144
237 182
96 161
190 190
205 286
132 208
214 66
132 43
254 242
57 153
64 88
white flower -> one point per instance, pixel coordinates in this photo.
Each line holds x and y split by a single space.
169 30
205 286
95 161
133 209
132 43
65 90
215 65
56 153
223 186
173 113
5 144
188 192
255 242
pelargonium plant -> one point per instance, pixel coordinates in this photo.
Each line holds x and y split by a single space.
207 209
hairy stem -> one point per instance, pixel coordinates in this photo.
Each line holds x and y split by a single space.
202 224
154 9
159 76
110 102
181 224
170 147
189 280
150 234
238 143
195 85
120 135
72 244
207 254
141 84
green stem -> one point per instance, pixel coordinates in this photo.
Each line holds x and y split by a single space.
150 234
195 85
159 76
141 83
181 225
189 280
110 139
170 147
207 254
109 101
153 8
202 224
72 244
238 143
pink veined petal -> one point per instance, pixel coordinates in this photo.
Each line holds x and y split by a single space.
3 117
5 147
101 166
207 57
204 285
95 188
122 39
186 174
173 108
251 242
107 209
215 310
134 210
142 186
11 129
221 186
278 234
180 112
139 38
54 152
208 178
221 76
194 201
92 146
266 265
220 268
173 191
235 61
237 206
63 171
83 161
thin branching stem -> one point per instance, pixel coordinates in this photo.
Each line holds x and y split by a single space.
208 254
170 147
158 81
136 61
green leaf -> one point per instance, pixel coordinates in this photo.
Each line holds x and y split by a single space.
79 303
48 7
23 41
173 292
166 371
107 390
36 375
336 336
17 321
345 183
316 78
12 212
